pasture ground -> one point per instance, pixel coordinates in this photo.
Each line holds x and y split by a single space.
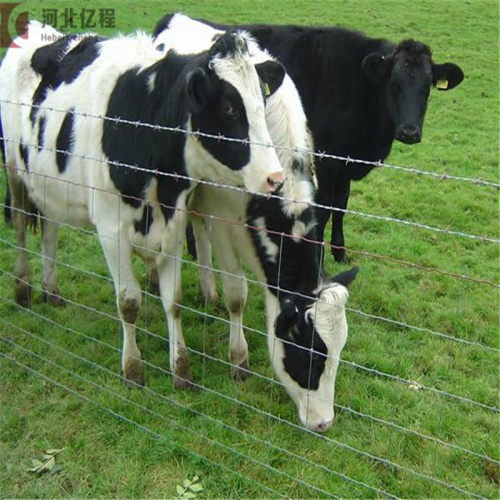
141 444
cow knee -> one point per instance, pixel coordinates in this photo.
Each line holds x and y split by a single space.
128 305
235 305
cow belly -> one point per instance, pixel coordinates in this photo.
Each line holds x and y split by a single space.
150 233
148 243
225 214
58 199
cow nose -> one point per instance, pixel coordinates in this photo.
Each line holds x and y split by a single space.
409 134
324 426
274 181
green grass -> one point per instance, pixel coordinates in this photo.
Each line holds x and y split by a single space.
135 444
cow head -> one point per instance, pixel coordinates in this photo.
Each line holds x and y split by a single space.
227 98
309 337
408 74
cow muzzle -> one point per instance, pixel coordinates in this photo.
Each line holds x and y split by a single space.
318 425
409 134
317 419
274 181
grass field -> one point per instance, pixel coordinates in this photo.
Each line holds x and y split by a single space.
419 440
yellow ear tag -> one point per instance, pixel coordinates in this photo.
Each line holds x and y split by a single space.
442 84
267 90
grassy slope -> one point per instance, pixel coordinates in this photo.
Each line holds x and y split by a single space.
108 457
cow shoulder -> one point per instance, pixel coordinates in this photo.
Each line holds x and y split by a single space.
152 96
61 62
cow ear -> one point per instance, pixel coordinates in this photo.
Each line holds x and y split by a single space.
376 66
446 76
271 73
198 90
346 277
287 317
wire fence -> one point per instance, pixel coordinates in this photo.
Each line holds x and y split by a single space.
398 407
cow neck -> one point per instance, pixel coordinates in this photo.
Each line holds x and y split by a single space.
295 265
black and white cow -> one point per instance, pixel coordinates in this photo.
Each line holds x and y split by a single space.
359 95
72 165
306 322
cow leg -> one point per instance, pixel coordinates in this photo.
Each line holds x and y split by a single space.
191 243
340 198
322 215
153 280
128 296
235 295
169 273
50 232
7 205
206 277
19 205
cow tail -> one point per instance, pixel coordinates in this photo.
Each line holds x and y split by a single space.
30 209
6 211
32 213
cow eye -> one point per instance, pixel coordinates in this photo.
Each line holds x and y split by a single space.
227 109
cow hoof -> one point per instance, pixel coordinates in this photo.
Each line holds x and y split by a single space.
184 384
241 372
154 288
53 299
210 296
22 294
132 373
133 384
340 255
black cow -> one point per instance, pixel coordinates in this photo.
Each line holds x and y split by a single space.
359 94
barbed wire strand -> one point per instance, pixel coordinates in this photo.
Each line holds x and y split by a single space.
210 217
399 324
176 176
219 137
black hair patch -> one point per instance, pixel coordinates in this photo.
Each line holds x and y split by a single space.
229 44
41 132
63 143
23 152
144 224
56 67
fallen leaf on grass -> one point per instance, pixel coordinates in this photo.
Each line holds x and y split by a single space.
48 464
189 489
54 451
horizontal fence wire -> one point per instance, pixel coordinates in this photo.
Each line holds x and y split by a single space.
202 354
192 410
220 185
353 365
219 137
267 379
258 282
267 443
350 363
210 217
115 414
